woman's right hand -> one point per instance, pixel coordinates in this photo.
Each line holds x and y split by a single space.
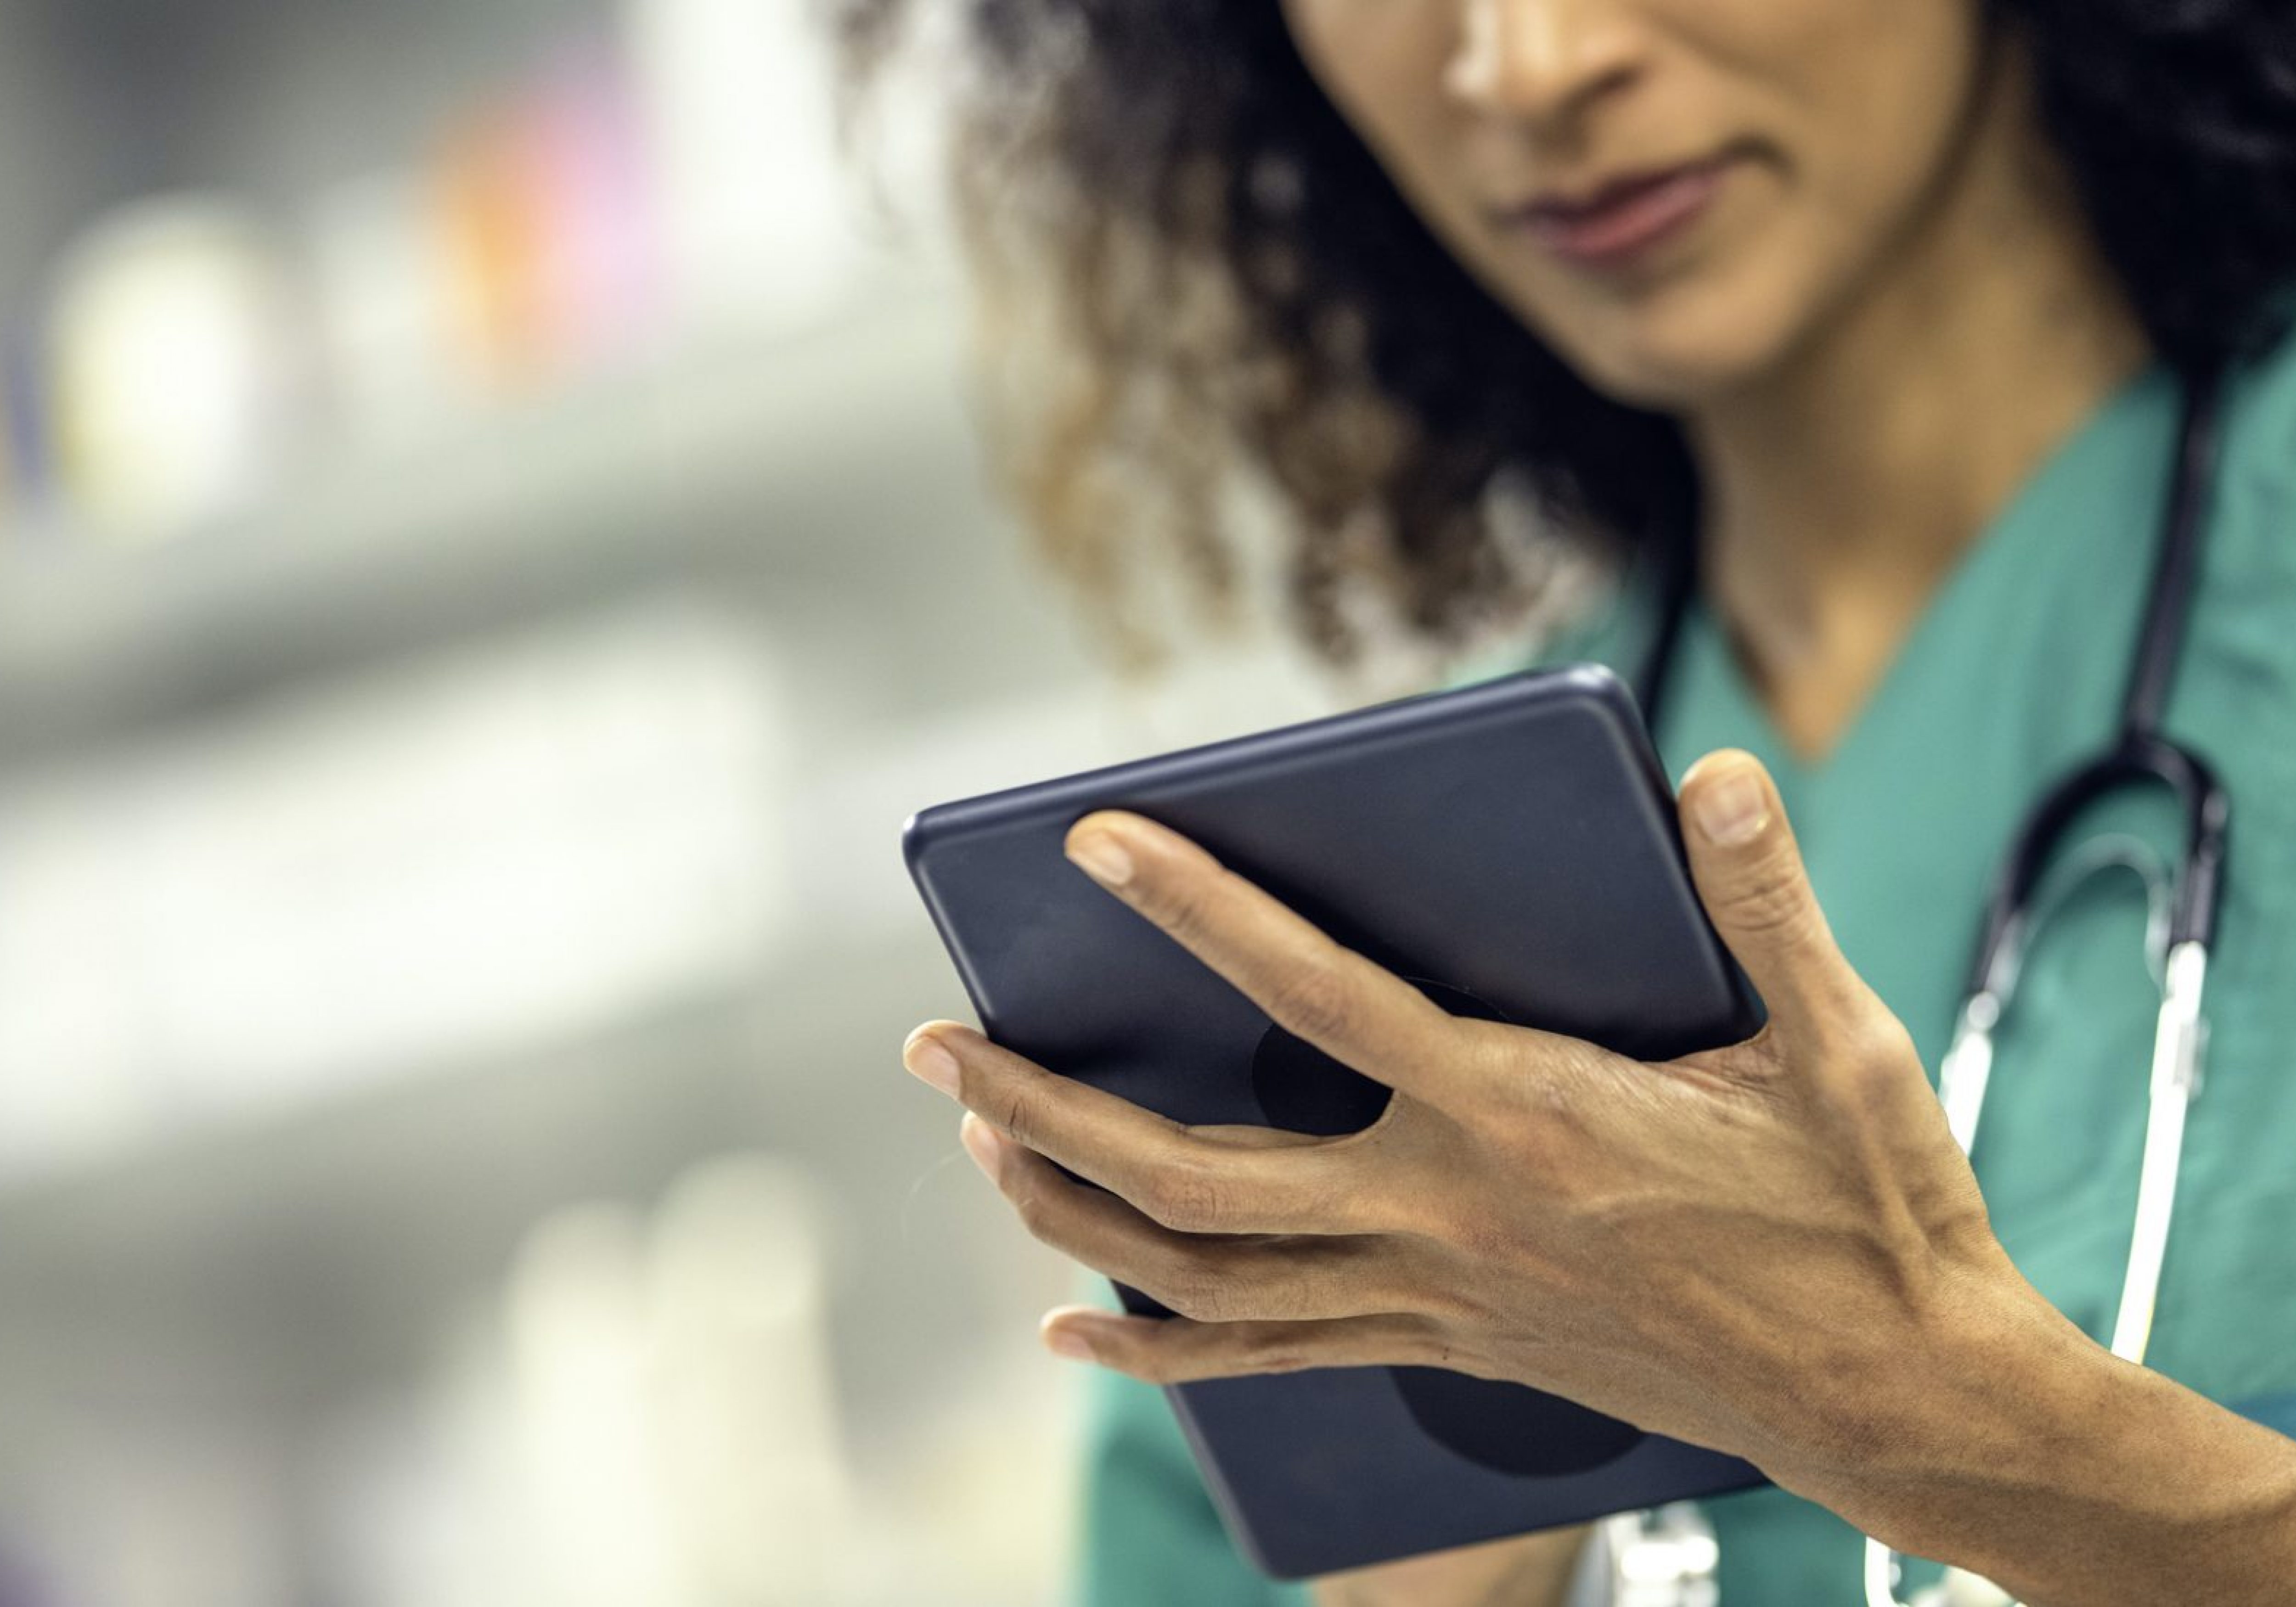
1525 1570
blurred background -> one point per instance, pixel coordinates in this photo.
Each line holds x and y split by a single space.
493 545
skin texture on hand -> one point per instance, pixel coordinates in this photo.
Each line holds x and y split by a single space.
1775 1250
1733 1247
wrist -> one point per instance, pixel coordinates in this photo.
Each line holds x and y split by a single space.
2011 1444
1978 1404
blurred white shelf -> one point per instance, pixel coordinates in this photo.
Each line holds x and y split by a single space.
700 1068
829 477
845 930
303 1259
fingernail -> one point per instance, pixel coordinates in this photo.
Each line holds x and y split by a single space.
982 1143
1103 858
925 1057
1069 1342
1732 811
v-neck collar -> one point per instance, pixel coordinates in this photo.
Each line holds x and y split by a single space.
2018 534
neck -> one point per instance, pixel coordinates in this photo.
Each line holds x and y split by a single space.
1844 485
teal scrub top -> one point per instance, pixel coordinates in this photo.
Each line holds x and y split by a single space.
2013 672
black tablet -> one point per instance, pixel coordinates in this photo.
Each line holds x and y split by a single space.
1511 847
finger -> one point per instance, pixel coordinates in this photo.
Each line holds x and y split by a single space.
1357 1012
1208 1277
1187 1179
1179 1350
1749 872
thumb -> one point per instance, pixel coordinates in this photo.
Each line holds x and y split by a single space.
1749 874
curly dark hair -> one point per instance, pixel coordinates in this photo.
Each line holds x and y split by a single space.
1234 281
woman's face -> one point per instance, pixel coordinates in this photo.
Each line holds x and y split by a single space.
1827 130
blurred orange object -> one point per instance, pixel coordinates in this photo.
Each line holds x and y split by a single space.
495 199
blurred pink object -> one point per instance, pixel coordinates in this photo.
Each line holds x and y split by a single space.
601 275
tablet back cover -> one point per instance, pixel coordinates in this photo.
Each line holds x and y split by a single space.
1511 847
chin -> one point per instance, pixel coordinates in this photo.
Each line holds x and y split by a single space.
1674 376
1677 352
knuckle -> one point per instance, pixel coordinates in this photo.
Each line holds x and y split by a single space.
1856 1035
1275 1350
1015 1112
1157 1365
1186 1198
1877 1040
1184 911
1770 902
1545 1121
1492 1052
1050 1220
1194 1289
1037 1215
1875 1053
1315 1002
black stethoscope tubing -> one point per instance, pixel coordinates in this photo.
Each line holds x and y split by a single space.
2140 752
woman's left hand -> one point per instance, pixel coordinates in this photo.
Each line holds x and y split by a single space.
1753 1248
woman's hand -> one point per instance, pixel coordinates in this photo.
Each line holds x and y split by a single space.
1759 1249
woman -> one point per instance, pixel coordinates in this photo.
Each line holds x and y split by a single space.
1889 351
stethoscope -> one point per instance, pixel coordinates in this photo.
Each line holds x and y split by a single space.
1668 1556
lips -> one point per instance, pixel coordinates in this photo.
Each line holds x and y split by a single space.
1626 215
1618 190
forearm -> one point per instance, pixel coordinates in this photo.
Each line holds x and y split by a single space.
2025 1452
1530 1571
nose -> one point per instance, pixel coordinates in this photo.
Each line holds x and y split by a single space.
1542 59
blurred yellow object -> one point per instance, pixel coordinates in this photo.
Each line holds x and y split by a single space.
176 361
